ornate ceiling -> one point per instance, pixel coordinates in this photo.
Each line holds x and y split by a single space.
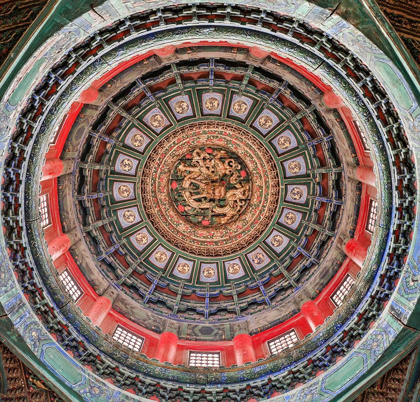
209 178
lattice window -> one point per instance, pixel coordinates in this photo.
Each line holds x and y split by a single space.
372 217
72 288
284 341
362 136
44 210
128 339
342 291
204 359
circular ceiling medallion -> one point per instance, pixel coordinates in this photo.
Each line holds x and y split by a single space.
209 272
142 238
265 122
137 140
181 107
210 188
129 216
212 104
284 142
296 193
294 167
240 107
277 240
157 121
126 165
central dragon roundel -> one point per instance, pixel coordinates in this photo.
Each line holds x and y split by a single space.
210 186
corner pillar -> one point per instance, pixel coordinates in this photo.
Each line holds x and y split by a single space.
167 347
244 350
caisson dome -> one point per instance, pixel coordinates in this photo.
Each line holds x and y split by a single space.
209 202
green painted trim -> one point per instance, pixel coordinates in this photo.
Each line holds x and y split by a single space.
11 338
55 15
406 341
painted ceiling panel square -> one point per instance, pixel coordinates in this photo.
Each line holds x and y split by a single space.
297 193
183 268
284 142
295 166
123 191
137 140
128 216
266 121
181 106
290 218
209 272
277 241
234 269
160 257
212 103
141 239
258 258
156 120
240 107
126 165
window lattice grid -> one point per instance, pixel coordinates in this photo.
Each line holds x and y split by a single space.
204 359
285 341
128 339
72 288
44 210
373 215
342 291
362 136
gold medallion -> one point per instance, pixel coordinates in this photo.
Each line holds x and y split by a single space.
294 167
181 107
212 104
124 191
234 268
277 240
258 258
126 165
284 142
183 268
240 107
161 256
137 140
296 193
289 218
209 272
265 122
157 121
142 238
129 216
